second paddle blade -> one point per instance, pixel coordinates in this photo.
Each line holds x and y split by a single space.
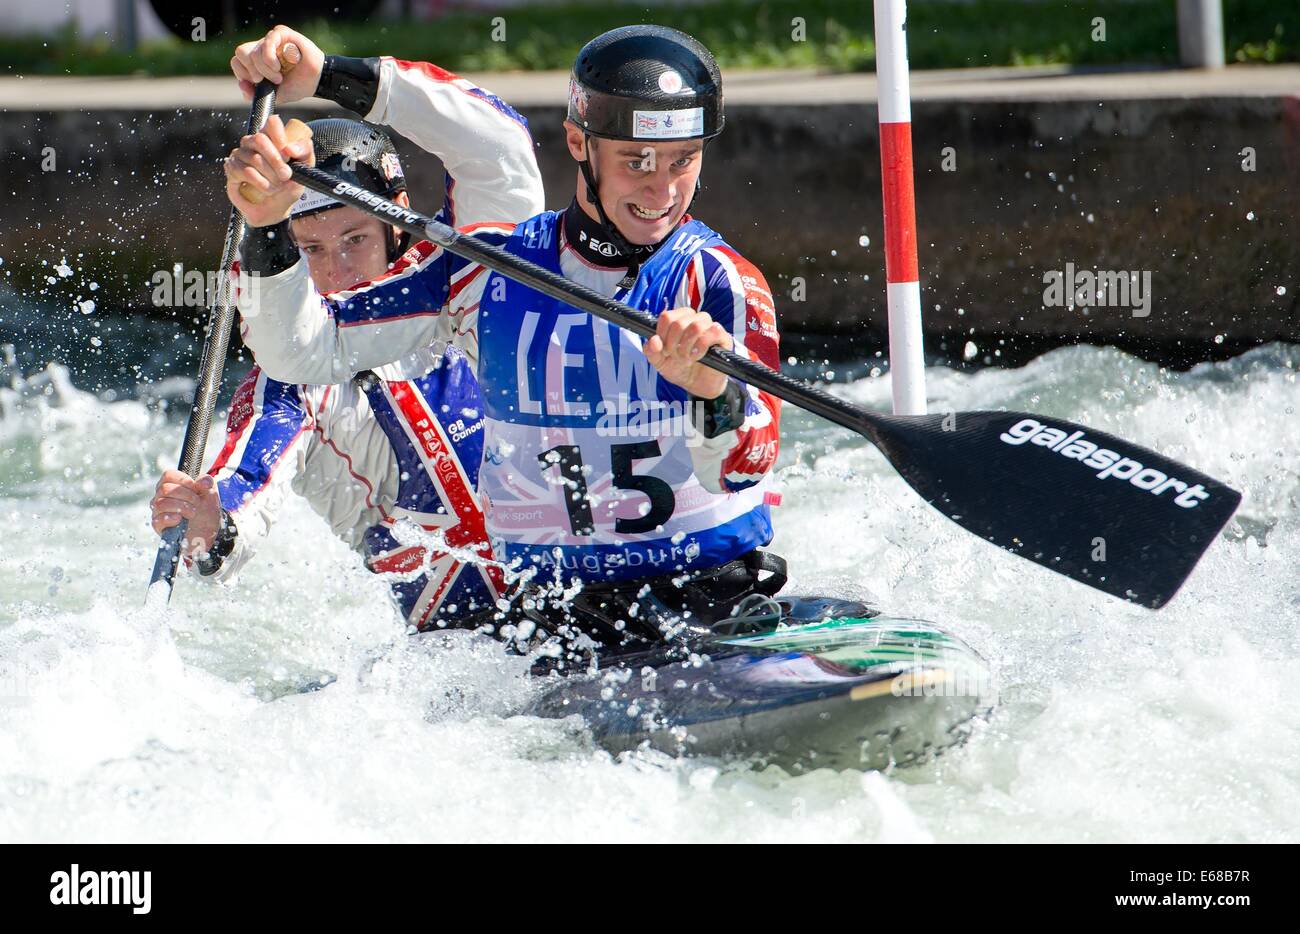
1096 508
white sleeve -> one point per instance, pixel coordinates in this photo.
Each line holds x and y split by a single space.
298 335
482 141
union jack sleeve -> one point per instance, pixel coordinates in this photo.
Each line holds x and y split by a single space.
732 291
266 433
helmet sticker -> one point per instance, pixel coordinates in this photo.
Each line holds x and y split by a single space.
390 166
670 82
311 200
578 98
668 124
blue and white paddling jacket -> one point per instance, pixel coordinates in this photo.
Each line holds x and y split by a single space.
589 469
367 455
405 444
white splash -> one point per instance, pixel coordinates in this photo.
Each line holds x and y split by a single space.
125 722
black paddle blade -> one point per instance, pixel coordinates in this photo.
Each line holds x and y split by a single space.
1108 513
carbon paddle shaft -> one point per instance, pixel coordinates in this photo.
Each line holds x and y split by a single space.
1098 509
212 362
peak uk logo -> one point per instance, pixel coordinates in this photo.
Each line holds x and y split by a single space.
89 887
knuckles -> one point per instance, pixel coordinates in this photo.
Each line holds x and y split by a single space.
682 328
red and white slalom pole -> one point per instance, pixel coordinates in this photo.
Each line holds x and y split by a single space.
894 94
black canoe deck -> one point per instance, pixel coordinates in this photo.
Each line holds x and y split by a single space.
865 692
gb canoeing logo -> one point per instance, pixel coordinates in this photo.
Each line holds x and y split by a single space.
77 887
1107 462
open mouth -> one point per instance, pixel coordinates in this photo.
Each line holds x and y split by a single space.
649 214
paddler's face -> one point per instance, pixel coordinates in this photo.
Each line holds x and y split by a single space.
645 188
344 246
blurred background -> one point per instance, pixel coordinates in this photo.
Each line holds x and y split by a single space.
1156 137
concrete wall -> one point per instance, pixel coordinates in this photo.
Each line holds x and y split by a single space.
1149 186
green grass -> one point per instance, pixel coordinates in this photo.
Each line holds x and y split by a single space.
941 34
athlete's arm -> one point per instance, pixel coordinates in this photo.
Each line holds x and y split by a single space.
301 336
429 296
267 433
742 425
482 141
296 335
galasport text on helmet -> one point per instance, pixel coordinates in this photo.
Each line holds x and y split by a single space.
648 83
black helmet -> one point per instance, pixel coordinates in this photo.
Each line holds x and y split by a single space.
647 83
356 152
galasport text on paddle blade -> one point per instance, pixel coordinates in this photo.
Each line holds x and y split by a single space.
1063 495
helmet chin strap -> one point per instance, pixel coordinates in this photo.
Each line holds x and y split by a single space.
703 146
398 241
612 232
